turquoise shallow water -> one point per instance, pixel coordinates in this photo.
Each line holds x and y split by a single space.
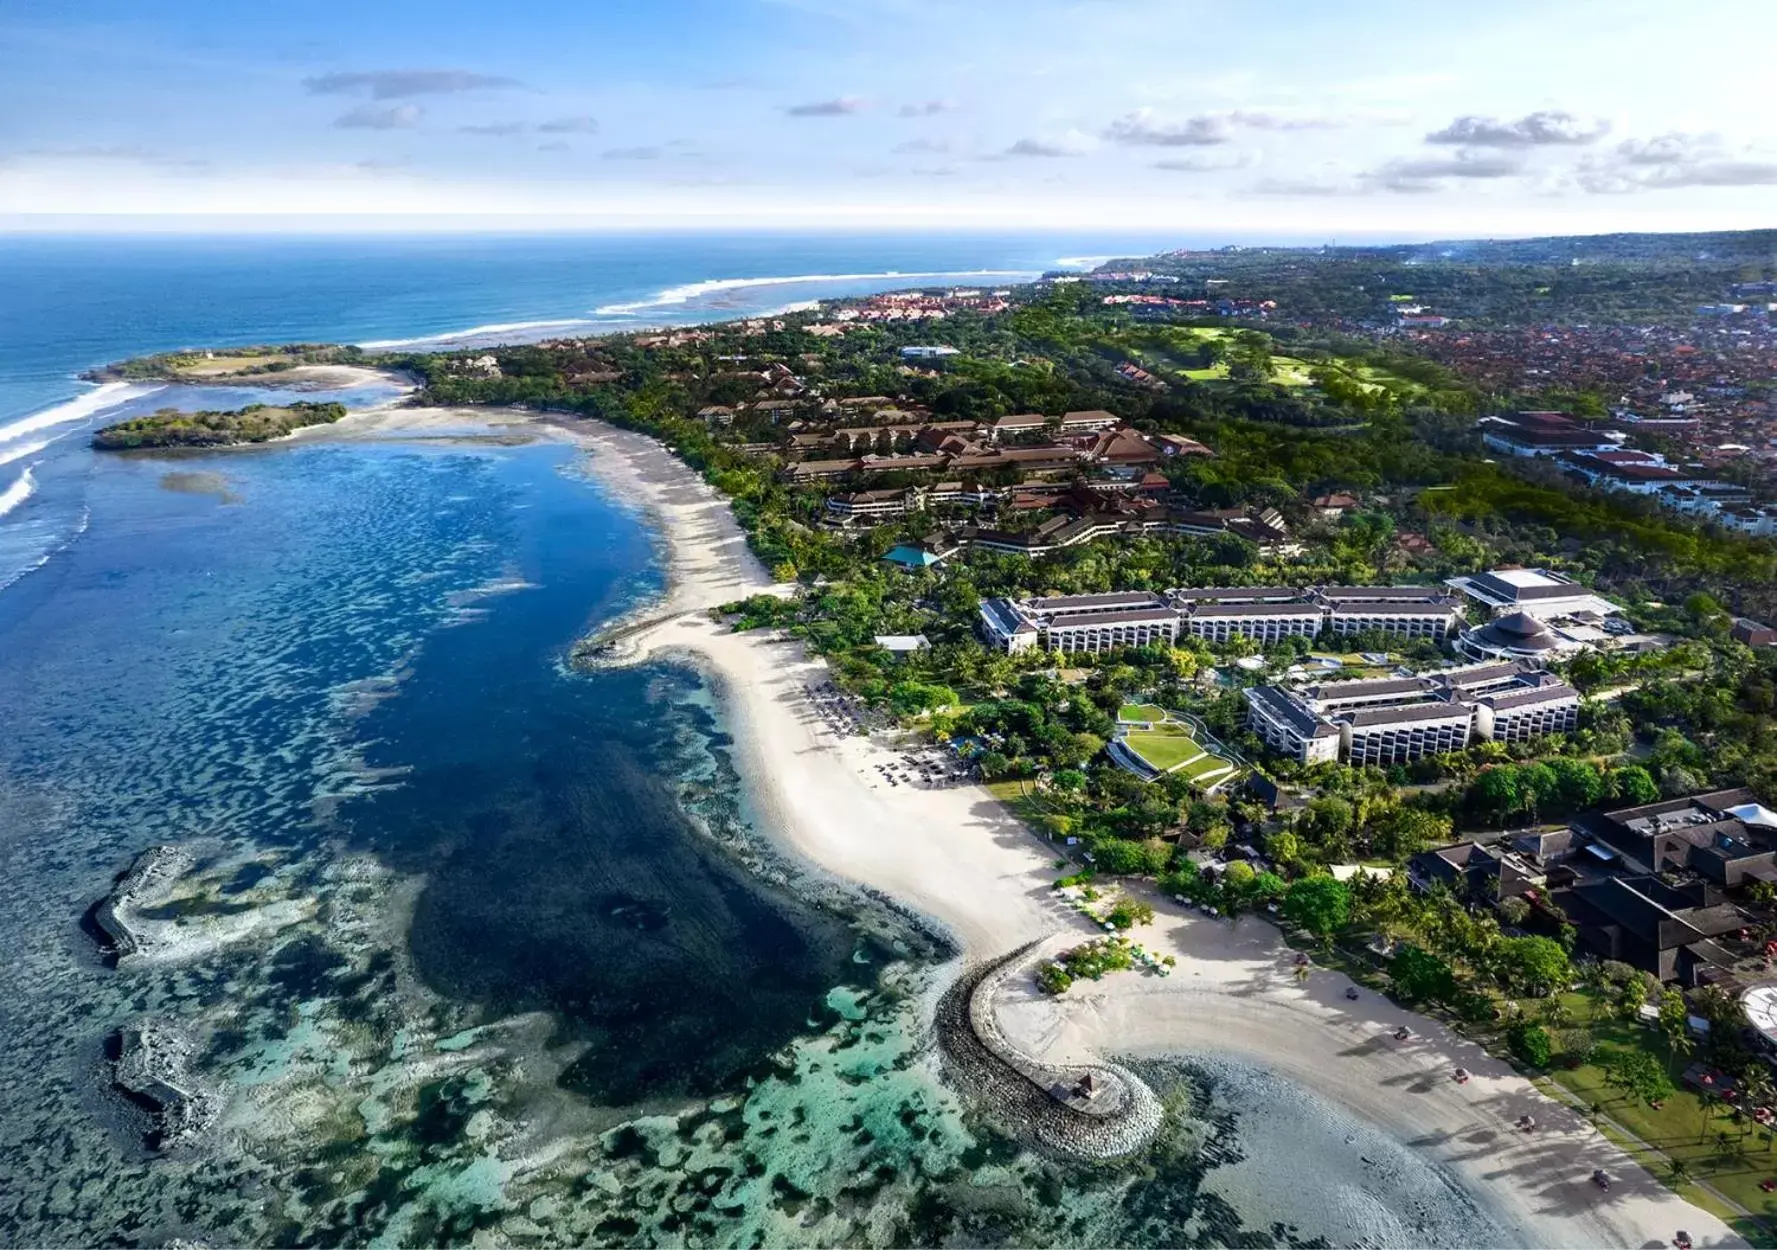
472 944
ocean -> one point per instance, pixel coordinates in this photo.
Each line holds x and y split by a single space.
470 943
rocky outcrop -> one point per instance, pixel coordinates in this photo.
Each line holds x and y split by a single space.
151 1064
112 920
1090 1111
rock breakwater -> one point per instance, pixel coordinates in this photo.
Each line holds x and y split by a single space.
152 1066
1087 1111
114 920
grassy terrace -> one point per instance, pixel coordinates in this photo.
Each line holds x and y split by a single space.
1166 744
1141 714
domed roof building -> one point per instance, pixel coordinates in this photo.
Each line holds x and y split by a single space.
1517 636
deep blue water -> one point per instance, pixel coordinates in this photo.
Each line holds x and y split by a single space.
335 672
456 952
69 304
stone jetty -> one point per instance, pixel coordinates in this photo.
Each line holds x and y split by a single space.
1087 1111
113 919
152 1066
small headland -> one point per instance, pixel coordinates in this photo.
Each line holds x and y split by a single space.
1086 1111
292 362
150 1065
113 920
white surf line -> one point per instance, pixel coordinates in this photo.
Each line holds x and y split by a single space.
105 395
504 327
691 290
21 489
10 452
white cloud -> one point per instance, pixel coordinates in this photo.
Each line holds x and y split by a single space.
395 84
1550 127
842 107
927 108
1144 128
1070 143
1207 163
1675 160
570 126
1290 187
1415 175
381 117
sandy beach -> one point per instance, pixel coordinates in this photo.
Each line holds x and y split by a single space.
1234 993
955 855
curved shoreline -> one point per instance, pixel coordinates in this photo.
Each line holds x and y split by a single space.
1043 1104
956 856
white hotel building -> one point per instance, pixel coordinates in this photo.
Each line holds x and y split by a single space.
1091 623
1216 614
1399 719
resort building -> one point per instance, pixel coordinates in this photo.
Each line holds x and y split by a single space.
1288 727
871 505
1264 623
1267 615
1520 637
1395 720
1404 611
1538 616
1402 733
1090 623
1526 712
1544 595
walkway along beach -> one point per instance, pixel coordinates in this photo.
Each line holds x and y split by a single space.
957 856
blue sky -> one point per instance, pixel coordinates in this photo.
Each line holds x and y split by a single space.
1406 118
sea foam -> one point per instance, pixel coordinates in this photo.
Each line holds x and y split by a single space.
18 451
21 489
473 332
689 291
620 315
106 395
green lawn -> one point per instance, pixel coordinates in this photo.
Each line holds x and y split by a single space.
1685 1127
1164 749
1288 371
1209 768
1141 713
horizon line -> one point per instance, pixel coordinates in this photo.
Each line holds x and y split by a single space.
65 225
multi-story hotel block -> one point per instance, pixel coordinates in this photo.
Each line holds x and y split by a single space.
1288 727
1264 623
1404 611
1529 712
1400 734
1265 614
1397 719
1093 623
